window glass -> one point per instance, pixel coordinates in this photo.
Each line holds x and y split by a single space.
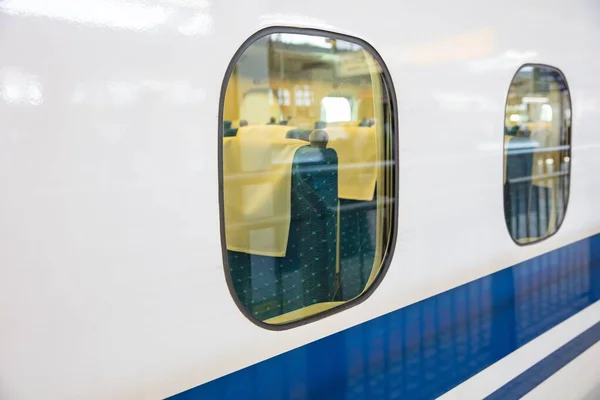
336 109
537 153
284 97
303 95
307 190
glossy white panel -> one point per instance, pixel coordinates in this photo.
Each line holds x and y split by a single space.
111 278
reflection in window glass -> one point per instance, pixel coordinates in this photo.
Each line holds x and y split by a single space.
537 153
283 96
546 113
307 191
303 95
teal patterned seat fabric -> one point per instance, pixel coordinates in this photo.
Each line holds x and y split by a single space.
526 206
357 235
230 132
357 245
272 286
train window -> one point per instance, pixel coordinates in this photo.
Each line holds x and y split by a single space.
537 153
308 211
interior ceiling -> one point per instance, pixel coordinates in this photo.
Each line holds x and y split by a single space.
293 58
267 61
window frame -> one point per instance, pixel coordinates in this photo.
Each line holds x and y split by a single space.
505 159
391 245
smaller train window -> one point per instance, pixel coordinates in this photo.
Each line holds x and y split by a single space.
307 181
537 153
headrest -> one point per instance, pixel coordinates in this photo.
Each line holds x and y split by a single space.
318 138
511 131
257 193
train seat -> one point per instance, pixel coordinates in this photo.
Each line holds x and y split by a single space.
526 204
229 132
366 122
272 132
281 210
356 149
357 171
231 129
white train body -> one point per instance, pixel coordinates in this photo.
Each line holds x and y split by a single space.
111 266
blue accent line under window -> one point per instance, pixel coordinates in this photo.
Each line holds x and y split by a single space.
423 350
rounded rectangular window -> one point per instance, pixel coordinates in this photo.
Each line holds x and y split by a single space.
308 203
537 153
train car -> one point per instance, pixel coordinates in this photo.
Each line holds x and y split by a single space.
299 199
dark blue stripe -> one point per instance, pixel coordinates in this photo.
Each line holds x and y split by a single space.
541 371
424 350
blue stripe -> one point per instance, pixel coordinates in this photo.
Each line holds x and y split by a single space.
541 371
424 350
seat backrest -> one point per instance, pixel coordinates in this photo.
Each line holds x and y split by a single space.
270 285
357 177
347 123
230 129
526 205
519 158
357 152
229 132
358 229
270 133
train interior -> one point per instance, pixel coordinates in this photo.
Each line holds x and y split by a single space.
307 175
537 153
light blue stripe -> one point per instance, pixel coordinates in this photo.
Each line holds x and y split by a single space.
424 350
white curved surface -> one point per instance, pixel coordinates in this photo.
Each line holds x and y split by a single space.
111 276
